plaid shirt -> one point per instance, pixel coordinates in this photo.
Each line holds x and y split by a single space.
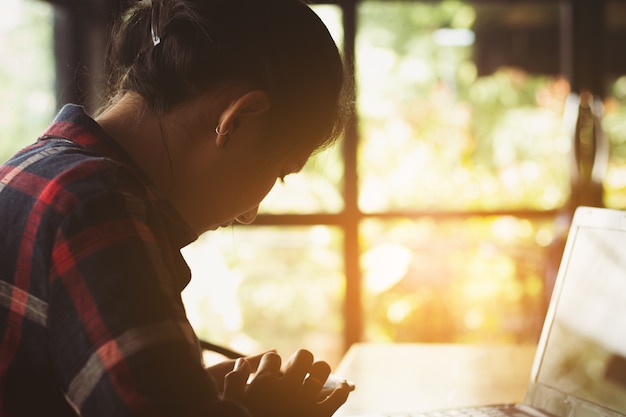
91 318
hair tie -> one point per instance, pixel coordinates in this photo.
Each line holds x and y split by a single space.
155 20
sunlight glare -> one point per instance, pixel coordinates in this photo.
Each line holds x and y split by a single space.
454 37
220 293
544 237
384 266
398 311
11 15
417 70
321 235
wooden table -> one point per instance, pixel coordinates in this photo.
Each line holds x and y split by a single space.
422 377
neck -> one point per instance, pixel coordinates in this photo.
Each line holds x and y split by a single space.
173 152
140 132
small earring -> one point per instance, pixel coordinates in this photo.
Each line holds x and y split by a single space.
225 135
217 131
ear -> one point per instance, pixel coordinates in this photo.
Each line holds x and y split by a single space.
252 104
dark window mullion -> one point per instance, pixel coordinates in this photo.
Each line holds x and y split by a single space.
353 329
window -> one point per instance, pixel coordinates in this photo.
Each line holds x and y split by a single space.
436 219
615 105
440 214
449 198
27 96
467 158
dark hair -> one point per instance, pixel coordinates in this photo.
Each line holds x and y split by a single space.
280 46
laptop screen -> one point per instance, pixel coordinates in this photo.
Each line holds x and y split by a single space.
585 344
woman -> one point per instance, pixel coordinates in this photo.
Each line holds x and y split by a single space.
211 102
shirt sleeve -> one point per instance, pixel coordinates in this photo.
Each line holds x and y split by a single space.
120 343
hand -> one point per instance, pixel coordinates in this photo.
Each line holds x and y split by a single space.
219 370
294 392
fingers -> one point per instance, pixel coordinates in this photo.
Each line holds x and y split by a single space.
255 360
236 380
269 366
314 382
295 391
330 404
219 370
297 367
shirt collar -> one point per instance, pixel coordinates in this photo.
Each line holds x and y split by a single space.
74 124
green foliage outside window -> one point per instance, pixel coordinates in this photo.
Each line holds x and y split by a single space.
614 123
27 101
436 135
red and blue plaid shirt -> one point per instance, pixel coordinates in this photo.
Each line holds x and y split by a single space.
91 318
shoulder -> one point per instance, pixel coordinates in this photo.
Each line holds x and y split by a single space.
73 158
60 173
57 186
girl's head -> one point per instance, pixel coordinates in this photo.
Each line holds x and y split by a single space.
206 46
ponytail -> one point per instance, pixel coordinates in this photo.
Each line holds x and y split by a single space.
171 51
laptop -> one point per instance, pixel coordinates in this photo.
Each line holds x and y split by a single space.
579 369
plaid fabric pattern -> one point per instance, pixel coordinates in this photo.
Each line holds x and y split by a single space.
91 318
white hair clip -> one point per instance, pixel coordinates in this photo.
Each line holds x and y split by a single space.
155 19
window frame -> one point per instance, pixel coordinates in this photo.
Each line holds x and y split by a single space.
581 38
582 25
